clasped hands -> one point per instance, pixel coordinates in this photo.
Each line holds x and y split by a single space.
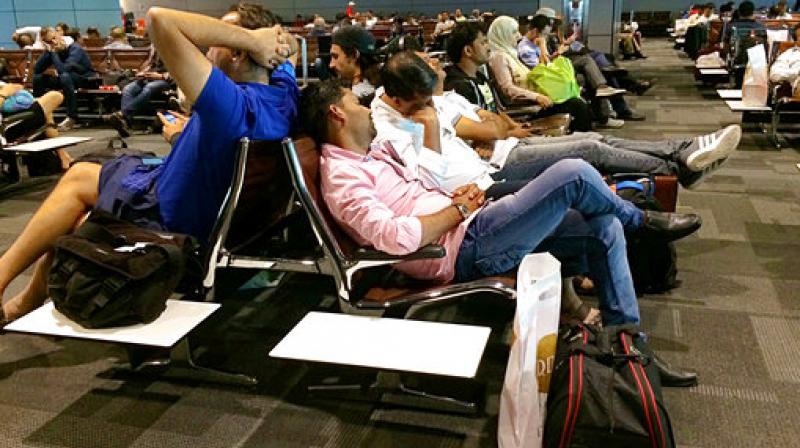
470 196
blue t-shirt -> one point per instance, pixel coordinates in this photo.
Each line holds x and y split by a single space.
528 52
194 179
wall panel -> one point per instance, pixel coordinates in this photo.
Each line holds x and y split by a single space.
14 14
7 22
329 8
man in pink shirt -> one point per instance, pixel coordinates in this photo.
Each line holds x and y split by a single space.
568 210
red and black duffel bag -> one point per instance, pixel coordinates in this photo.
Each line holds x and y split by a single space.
605 391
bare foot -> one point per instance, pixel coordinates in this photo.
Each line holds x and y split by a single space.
23 303
65 158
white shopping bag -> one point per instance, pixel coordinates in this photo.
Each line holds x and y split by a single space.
755 88
530 364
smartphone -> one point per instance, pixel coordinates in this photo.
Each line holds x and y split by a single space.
169 117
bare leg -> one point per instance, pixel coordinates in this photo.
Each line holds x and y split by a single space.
75 194
50 102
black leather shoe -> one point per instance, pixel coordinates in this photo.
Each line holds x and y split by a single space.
118 122
669 226
643 86
673 377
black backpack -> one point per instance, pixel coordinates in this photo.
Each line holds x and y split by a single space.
605 392
111 273
653 263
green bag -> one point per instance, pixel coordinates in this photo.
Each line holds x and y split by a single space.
556 80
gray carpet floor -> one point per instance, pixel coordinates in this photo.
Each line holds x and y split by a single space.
735 319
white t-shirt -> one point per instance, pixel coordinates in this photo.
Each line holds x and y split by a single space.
460 105
363 89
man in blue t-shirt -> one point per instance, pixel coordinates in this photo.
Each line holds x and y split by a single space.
244 87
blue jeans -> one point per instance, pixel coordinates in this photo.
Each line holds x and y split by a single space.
570 212
136 95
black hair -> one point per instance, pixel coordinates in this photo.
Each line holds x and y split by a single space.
463 36
63 27
369 63
727 7
407 76
314 104
772 12
746 9
539 23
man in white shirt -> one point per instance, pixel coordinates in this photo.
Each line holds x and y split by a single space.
371 20
443 25
428 130
36 33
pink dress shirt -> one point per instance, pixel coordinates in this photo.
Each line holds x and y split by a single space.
376 199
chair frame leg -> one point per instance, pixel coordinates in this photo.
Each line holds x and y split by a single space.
188 367
773 135
389 388
218 375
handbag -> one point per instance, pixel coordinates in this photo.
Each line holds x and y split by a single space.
653 263
530 363
112 273
556 80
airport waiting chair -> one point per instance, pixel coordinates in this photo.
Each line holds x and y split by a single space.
342 259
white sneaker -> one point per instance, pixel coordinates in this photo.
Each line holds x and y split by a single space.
692 179
66 124
612 123
608 91
709 148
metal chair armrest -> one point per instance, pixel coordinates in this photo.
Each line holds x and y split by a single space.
522 111
424 253
401 306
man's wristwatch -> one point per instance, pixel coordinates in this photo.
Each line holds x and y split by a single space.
464 210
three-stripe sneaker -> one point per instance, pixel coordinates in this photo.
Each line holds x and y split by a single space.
710 148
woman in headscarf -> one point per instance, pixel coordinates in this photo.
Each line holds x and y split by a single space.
511 76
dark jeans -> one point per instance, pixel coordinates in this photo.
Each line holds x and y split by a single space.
577 108
66 83
137 94
607 154
570 212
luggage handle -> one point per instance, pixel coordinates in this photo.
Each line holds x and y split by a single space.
610 358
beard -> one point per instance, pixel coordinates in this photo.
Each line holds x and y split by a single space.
372 132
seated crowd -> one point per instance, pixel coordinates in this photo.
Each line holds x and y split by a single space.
722 43
413 151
